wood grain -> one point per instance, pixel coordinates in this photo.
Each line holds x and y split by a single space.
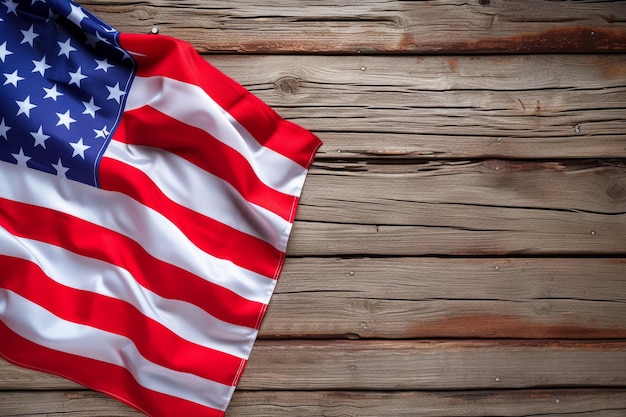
449 298
529 106
371 26
462 208
515 403
76 403
407 365
413 365
602 402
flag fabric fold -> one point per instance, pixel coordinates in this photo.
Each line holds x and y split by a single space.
146 201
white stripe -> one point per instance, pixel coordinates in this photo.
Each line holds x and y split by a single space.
213 197
120 213
40 326
174 98
88 274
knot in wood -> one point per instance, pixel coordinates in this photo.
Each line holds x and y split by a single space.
141 14
287 85
616 191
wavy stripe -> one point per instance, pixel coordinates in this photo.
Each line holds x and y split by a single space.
175 98
101 376
178 179
121 214
87 308
215 238
89 240
210 167
88 274
37 324
162 56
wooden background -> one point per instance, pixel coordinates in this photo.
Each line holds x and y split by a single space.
460 247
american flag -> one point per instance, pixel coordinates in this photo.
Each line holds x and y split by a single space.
146 200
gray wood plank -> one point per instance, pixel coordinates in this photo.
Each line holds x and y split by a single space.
416 365
407 365
578 235
531 106
76 403
415 404
449 298
516 403
372 26
485 208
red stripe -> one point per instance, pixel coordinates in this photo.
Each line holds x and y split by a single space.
211 236
115 316
109 379
149 127
166 280
168 57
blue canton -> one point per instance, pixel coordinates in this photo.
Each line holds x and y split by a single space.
63 83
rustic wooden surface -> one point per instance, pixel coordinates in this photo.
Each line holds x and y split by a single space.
373 26
460 246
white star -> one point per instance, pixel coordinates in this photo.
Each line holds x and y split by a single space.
21 158
11 7
115 93
79 148
4 51
91 40
52 92
25 106
12 78
60 169
40 138
51 14
65 119
4 129
29 36
90 108
76 15
103 133
41 66
102 65
65 48
76 77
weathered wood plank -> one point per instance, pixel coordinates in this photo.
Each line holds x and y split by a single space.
483 208
547 235
372 26
549 402
449 298
414 404
62 403
594 187
433 365
414 365
407 365
527 106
